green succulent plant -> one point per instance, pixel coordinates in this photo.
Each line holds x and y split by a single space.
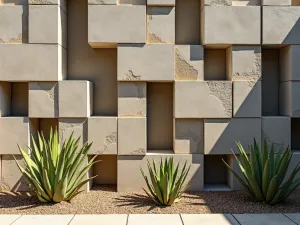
166 183
264 172
56 174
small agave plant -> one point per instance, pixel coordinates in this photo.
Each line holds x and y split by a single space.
56 174
166 184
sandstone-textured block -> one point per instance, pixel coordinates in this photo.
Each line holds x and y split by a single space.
247 99
75 98
32 62
151 62
216 3
132 137
220 136
203 99
131 165
289 63
132 99
112 24
289 104
189 62
161 2
102 2
61 3
230 25
68 125
43 99
5 99
102 131
276 2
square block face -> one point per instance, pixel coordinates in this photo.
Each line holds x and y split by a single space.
151 62
213 57
289 63
5 99
126 25
43 99
203 99
102 131
231 25
289 99
220 136
247 99
161 25
102 2
189 136
161 2
132 138
276 2
61 3
132 99
216 3
189 62
75 98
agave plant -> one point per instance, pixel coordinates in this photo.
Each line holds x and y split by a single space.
56 174
264 173
167 182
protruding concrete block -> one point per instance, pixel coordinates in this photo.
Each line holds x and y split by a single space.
75 98
289 63
161 2
220 136
151 62
189 62
216 3
102 2
203 99
5 99
276 2
126 25
68 125
61 3
289 104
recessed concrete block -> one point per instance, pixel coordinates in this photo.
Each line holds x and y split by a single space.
230 25
126 25
295 132
75 98
46 124
43 99
289 63
5 99
203 99
213 57
220 136
276 2
151 62
233 183
189 62
216 3
246 2
102 2
161 2
131 165
68 125
108 163
247 99
132 138
132 99
19 99
161 25
289 104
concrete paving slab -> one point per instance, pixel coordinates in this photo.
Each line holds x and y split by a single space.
8 219
111 219
154 219
208 219
263 219
44 219
294 216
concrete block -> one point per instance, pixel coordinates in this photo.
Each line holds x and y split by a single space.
108 163
233 183
32 62
213 57
161 2
75 98
220 136
281 25
132 100
47 24
214 96
231 25
151 62
131 165
247 99
289 104
103 132
5 99
189 136
216 3
132 2
189 62
45 125
132 137
276 2
126 25
61 3
68 125
289 65
102 2
161 25
246 2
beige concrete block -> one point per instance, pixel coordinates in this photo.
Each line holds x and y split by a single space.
276 2
61 3
246 2
189 62
220 136
149 62
68 125
213 57
75 98
102 2
247 99
216 3
289 104
132 99
289 65
126 25
230 25
131 165
132 137
108 163
189 136
161 2
161 25
5 99
203 99
132 2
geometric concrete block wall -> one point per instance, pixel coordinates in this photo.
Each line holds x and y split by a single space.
149 79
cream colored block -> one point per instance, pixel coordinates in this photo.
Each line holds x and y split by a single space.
230 25
151 62
5 99
161 25
161 2
132 138
132 100
247 99
246 2
75 98
203 99
132 164
289 104
189 62
61 3
216 3
109 25
276 2
103 132
289 63
220 136
68 125
102 2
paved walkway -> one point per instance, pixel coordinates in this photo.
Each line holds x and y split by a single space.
153 219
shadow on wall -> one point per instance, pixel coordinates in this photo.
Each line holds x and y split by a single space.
293 36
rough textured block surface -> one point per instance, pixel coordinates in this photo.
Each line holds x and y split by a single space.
61 3
289 63
289 99
78 126
216 3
